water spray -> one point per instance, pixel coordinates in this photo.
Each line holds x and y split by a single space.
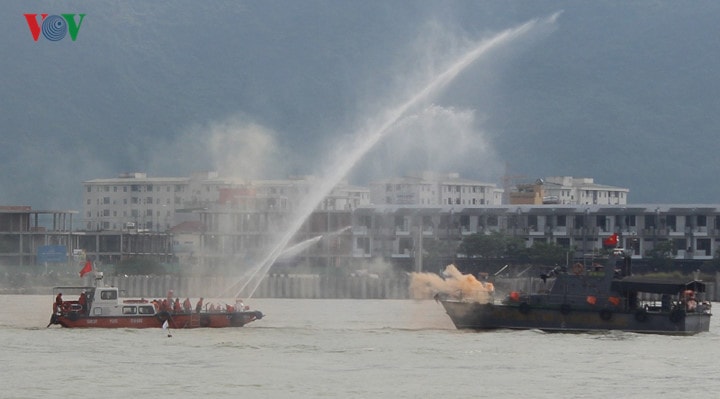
367 139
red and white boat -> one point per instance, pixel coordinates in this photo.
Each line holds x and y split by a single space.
102 307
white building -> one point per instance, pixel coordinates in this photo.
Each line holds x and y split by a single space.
135 201
434 189
581 191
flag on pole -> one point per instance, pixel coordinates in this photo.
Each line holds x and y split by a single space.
611 241
86 269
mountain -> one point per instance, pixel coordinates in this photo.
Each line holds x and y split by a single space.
622 92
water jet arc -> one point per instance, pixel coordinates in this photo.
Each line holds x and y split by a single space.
368 138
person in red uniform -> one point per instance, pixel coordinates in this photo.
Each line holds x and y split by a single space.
199 306
187 306
82 301
58 303
176 306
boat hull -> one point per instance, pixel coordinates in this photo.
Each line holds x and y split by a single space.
472 315
175 320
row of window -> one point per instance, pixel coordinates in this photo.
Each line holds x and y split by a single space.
133 201
178 188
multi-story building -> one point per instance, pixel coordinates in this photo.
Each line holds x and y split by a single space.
134 201
569 191
397 232
434 189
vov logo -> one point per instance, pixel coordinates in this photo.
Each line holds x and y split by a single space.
54 27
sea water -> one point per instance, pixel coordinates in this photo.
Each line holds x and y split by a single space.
344 349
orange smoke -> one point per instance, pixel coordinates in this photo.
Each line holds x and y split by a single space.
455 284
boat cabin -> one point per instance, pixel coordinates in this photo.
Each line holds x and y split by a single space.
102 301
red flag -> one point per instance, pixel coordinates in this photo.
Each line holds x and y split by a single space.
611 241
86 269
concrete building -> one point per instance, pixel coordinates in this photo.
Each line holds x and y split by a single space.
397 232
434 189
136 202
567 190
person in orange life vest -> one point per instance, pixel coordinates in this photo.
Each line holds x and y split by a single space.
164 305
83 302
199 305
187 306
176 306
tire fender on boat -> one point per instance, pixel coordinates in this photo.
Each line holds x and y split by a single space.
73 316
524 308
606 314
204 320
163 316
641 315
578 269
565 308
677 315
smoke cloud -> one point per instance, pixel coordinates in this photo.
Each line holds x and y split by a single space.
454 284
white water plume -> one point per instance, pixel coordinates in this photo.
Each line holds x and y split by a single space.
367 138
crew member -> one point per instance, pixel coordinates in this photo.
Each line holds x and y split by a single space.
176 306
82 301
187 306
199 305
58 303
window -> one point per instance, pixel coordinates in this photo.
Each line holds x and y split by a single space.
108 294
129 310
146 309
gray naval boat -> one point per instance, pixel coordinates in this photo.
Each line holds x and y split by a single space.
593 299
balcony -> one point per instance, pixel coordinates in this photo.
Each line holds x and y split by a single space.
560 231
360 230
360 253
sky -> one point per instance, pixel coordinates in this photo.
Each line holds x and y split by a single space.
624 92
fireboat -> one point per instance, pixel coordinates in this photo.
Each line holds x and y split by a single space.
103 307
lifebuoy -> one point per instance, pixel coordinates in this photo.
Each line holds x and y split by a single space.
641 315
606 314
677 315
524 308
565 308
578 269
163 316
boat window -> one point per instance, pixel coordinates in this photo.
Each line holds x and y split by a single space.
146 310
97 311
129 310
108 295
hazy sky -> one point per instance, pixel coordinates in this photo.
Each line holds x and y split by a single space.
624 93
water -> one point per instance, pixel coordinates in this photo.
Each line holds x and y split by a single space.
366 139
344 349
